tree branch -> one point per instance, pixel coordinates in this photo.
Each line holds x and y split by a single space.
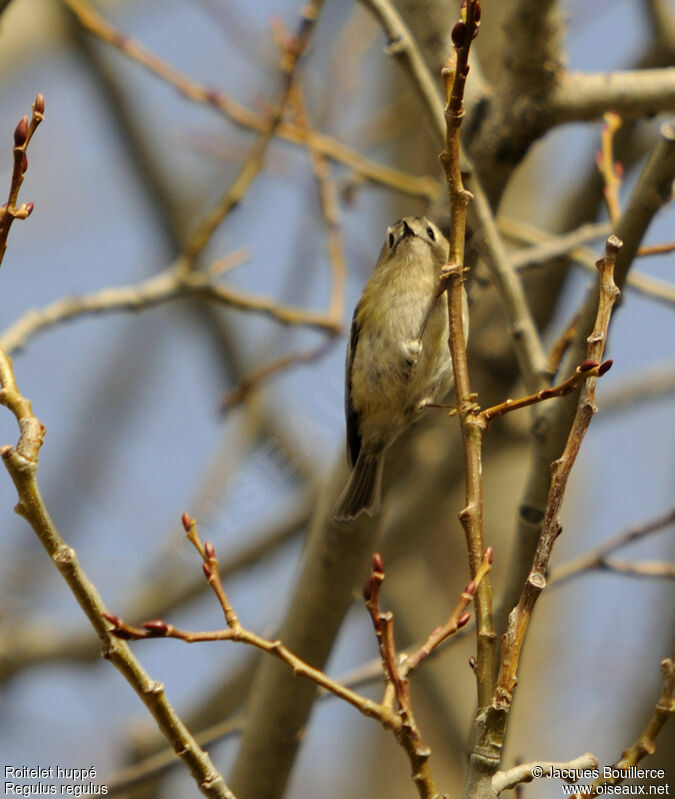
526 772
645 744
21 462
171 284
632 94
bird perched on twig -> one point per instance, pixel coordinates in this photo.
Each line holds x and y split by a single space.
398 360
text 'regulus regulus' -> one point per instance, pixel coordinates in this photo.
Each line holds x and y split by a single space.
398 360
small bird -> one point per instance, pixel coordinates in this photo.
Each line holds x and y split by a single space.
398 360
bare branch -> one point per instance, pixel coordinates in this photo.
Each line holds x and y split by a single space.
646 743
255 160
171 284
403 47
242 116
455 74
524 333
549 247
21 463
526 772
597 557
632 94
551 527
23 133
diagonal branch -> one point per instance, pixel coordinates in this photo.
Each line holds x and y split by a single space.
21 462
520 616
255 160
645 744
194 91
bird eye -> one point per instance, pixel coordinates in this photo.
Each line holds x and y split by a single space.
431 234
391 240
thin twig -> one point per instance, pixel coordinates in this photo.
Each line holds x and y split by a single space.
561 345
171 284
23 133
21 463
597 557
254 381
646 743
645 568
194 91
554 420
526 340
457 619
548 246
520 616
524 334
34 643
608 168
526 772
571 245
255 160
657 249
403 47
156 628
235 631
584 371
455 74
396 684
649 385
330 209
366 674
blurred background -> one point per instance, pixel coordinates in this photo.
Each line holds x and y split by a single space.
120 172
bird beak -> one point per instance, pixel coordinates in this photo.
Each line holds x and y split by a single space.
407 231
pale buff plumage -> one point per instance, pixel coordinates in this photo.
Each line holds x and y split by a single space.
391 374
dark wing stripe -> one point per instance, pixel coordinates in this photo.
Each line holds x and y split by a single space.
353 437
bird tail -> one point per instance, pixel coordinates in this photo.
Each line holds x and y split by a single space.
363 490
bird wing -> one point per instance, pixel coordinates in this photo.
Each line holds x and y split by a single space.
352 416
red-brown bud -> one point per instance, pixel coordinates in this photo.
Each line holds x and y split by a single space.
114 620
472 662
29 209
471 588
368 589
586 366
21 132
546 393
490 555
605 366
463 620
155 626
188 521
39 105
208 571
458 33
378 562
478 11
122 634
209 550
